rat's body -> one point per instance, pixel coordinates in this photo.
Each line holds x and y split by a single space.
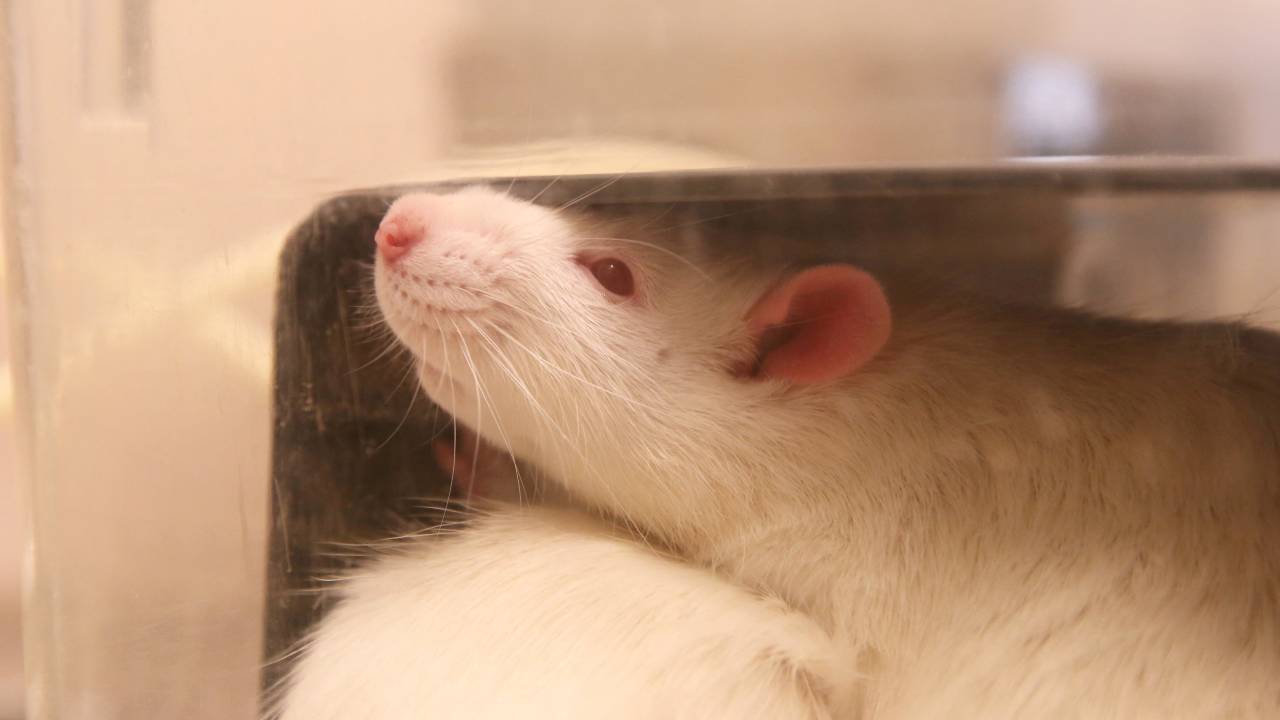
1009 512
541 613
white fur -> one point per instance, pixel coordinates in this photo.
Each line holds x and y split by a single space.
1022 512
541 613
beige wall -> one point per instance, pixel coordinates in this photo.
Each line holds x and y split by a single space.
148 231
11 522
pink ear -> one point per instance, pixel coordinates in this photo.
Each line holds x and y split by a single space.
818 325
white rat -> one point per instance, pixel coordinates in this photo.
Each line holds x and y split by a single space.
1023 512
546 613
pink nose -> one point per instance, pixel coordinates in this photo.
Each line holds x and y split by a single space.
395 237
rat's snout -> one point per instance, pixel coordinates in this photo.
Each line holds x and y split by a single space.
397 234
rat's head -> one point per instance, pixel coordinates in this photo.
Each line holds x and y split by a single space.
566 338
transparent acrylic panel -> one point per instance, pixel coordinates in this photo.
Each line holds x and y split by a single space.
157 155
351 452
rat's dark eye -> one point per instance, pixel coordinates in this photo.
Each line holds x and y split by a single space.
614 276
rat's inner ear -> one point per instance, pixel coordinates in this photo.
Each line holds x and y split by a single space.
819 325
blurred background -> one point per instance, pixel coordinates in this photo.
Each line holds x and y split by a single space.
156 153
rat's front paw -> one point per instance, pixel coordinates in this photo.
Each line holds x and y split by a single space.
476 468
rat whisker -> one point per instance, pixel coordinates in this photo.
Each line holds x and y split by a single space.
666 211
593 191
586 339
405 376
439 528
447 427
453 390
374 322
713 218
550 366
392 348
554 180
483 397
569 330
505 364
444 379
581 456
405 418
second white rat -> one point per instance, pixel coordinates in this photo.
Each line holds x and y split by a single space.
547 614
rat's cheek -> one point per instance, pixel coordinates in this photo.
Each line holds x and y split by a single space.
455 397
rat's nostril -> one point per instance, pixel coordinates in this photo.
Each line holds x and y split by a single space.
394 239
397 237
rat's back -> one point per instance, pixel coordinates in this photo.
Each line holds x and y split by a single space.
1116 552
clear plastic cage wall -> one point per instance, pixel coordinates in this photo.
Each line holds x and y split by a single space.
157 156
